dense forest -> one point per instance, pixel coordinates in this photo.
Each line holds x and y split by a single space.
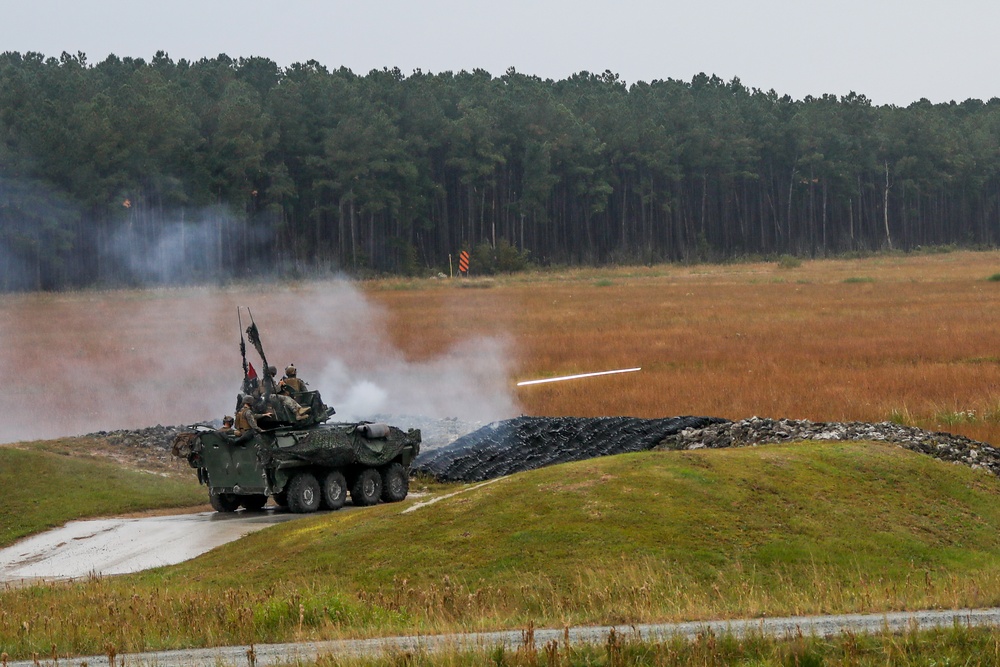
131 172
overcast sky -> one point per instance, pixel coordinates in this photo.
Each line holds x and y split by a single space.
893 51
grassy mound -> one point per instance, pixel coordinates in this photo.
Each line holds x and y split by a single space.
780 529
845 507
44 490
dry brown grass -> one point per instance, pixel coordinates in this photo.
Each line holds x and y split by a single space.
914 338
911 338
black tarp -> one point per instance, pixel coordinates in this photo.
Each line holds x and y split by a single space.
338 445
526 443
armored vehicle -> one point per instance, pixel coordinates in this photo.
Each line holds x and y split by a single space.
295 456
304 468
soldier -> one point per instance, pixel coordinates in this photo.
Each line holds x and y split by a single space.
299 412
246 421
291 382
227 426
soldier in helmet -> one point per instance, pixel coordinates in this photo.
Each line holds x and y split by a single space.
298 412
291 384
246 421
227 426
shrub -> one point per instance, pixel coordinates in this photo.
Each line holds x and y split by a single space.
504 258
901 416
789 262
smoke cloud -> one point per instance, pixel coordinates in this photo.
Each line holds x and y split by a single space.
210 245
83 362
363 374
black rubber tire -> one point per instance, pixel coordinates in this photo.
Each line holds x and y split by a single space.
395 483
367 488
224 502
254 503
333 490
303 493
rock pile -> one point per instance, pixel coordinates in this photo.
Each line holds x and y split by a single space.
145 449
153 437
759 431
525 443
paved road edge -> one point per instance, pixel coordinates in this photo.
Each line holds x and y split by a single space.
265 655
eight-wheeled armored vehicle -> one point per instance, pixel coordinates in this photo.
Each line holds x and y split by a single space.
304 468
301 461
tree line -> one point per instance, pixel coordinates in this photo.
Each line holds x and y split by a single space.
132 172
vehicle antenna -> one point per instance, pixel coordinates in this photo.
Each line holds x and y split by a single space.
254 336
243 344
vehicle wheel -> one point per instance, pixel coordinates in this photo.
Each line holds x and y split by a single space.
367 488
254 503
303 493
395 483
224 502
334 490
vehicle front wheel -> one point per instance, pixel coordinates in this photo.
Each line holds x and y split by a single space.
367 488
303 493
334 490
395 483
224 502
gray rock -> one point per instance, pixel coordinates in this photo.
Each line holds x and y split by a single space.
757 431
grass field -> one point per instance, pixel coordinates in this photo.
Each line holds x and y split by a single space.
910 338
916 341
671 536
774 530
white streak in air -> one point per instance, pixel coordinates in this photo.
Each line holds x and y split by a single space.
577 377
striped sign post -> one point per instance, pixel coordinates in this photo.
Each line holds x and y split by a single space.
463 262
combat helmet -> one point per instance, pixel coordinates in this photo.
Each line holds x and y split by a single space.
290 370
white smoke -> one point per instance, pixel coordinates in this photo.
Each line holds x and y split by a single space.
91 361
175 249
363 374
468 382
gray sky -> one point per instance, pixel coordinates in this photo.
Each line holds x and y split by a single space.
893 51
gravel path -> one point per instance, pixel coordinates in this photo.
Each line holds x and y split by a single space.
276 654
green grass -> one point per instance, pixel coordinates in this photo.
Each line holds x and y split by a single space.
776 530
44 489
933 648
